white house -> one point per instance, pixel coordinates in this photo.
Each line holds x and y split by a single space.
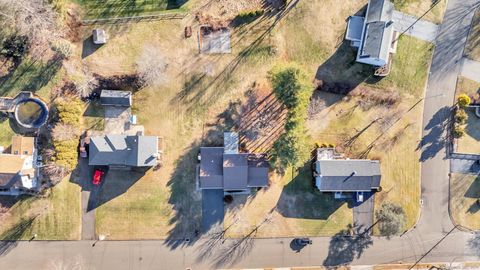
373 35
18 173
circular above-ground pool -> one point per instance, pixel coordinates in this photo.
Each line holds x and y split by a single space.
31 113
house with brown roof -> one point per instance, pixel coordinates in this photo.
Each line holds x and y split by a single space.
17 168
225 168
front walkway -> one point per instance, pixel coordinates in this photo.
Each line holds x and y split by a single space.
470 69
423 30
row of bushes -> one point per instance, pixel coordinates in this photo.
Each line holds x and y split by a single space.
460 117
291 87
66 131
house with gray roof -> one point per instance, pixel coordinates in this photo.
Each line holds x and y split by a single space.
225 168
373 35
116 98
340 175
118 150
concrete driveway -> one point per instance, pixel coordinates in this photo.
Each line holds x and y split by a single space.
422 29
470 69
363 214
212 210
117 119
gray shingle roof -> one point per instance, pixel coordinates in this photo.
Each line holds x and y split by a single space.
355 28
116 97
347 175
211 169
379 10
378 32
123 150
231 171
235 171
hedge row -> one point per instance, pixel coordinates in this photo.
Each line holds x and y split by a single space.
291 87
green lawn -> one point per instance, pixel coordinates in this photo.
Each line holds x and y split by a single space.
94 117
465 190
36 76
56 217
94 9
472 49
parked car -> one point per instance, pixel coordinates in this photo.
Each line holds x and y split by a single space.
301 242
97 176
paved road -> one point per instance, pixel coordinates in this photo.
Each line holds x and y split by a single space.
434 233
470 69
423 30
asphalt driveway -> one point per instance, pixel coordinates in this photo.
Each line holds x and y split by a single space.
363 214
212 210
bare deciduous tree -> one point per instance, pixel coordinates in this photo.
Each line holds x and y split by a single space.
33 18
54 173
63 132
152 66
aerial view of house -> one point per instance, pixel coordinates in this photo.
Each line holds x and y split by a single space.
123 151
225 168
18 169
240 134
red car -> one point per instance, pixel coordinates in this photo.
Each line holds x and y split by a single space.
97 177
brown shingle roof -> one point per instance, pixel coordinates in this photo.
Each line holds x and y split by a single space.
22 145
10 163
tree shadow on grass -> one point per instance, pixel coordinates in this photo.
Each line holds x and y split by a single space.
200 92
473 192
30 75
15 233
344 248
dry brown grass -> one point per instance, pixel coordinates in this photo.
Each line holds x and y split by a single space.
198 104
419 7
472 49
465 190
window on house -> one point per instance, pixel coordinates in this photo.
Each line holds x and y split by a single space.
15 152
25 152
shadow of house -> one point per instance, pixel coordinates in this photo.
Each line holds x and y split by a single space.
434 141
344 248
116 183
88 47
185 200
473 124
299 199
341 73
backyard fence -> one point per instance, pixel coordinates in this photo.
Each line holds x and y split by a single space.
161 16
